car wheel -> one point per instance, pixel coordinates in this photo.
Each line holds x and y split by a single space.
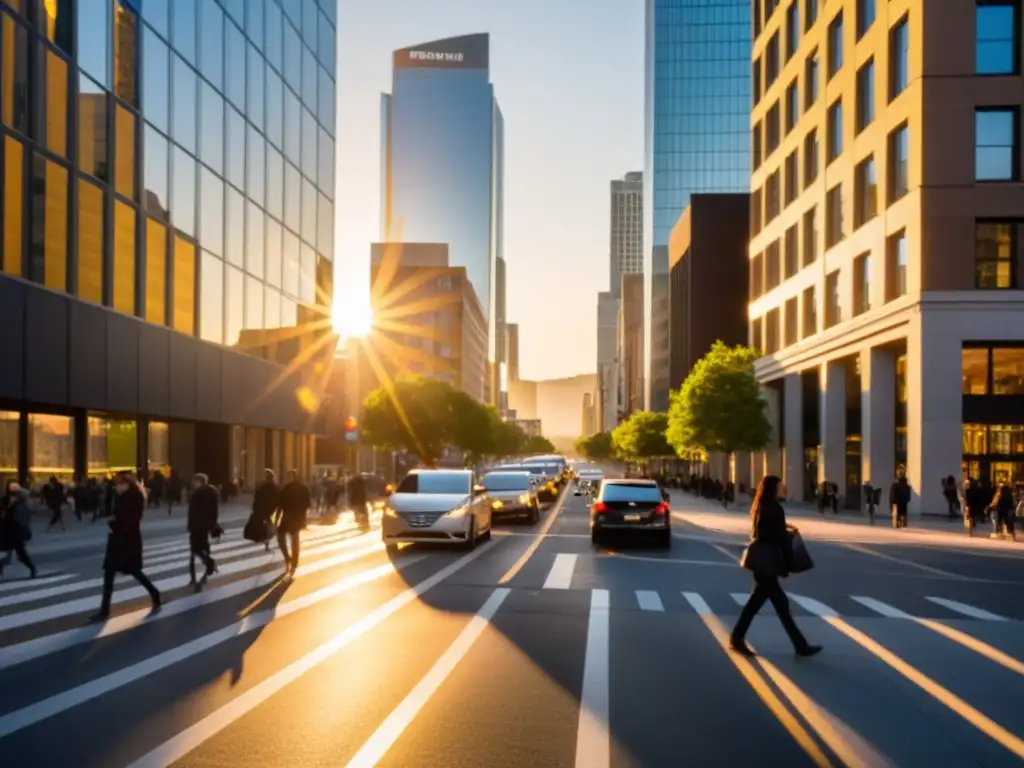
471 535
486 535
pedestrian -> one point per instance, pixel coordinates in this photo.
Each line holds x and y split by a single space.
899 498
769 556
173 488
294 502
124 542
54 496
1005 510
870 504
356 493
975 504
952 496
265 503
203 508
15 530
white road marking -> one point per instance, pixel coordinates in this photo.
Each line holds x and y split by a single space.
394 725
649 601
560 575
593 739
178 746
811 605
698 604
73 697
967 610
10 586
882 608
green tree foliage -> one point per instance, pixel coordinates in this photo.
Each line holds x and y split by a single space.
596 447
719 407
509 439
537 444
642 436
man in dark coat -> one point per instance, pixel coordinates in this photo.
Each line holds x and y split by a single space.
203 509
15 512
899 498
124 542
265 502
357 497
295 501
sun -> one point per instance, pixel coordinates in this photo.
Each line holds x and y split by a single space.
352 320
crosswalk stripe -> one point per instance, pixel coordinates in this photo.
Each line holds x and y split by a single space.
649 601
593 738
811 605
560 575
884 609
10 586
966 610
698 604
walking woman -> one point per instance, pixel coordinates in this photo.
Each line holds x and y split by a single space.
1005 507
769 536
294 501
203 510
15 512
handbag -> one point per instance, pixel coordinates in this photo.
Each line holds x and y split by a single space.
762 558
800 558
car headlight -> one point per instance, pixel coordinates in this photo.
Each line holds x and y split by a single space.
389 511
497 504
525 499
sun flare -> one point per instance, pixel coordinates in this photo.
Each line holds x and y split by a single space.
353 320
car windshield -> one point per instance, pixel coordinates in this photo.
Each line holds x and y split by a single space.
496 470
435 482
507 481
624 492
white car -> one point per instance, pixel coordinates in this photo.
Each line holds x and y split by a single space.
440 506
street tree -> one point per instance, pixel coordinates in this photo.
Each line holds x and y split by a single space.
596 447
642 437
508 437
537 444
411 414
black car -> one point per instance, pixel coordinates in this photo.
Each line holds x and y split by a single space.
631 507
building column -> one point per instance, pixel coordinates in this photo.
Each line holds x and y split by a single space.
878 417
934 413
741 469
793 435
773 452
832 399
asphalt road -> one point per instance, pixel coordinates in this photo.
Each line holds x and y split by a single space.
534 650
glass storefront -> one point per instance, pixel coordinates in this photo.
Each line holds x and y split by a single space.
9 426
995 451
51 448
112 446
159 447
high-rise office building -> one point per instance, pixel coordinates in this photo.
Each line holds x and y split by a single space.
886 267
168 228
512 347
607 365
696 139
442 136
627 228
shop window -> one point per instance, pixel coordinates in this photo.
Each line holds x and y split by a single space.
1005 440
975 439
112 446
9 443
51 448
159 446
974 371
1008 372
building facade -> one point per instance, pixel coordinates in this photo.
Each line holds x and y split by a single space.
696 129
607 363
627 228
886 282
707 279
512 349
630 353
168 219
442 166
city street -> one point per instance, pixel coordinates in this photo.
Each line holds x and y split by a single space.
533 650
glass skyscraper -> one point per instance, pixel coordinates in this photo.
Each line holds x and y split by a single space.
168 224
442 167
696 139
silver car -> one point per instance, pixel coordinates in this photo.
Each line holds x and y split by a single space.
512 494
437 506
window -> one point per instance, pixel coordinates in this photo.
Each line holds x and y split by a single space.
156 272
255 228
865 201
756 339
183 28
834 144
772 198
253 304
307 276
810 13
325 226
155 159
756 276
833 308
899 58
49 247
56 103
234 148
755 142
790 328
126 50
15 84
865 95
186 94
256 166
290 277
211 128
995 37
771 332
256 87
275 183
974 371
810 236
810 158
772 267
792 177
771 129
792 106
792 28
834 216
211 299
234 305
274 253
211 212
309 144
835 45
791 255
995 144
254 20
184 192
90 242
234 65
862 284
865 16
755 211
124 152
234 226
156 84
899 151
211 44
995 254
308 212
184 285
896 266
123 298
14 205
811 68
325 176
810 306
771 61
1008 372
93 46
755 80
755 11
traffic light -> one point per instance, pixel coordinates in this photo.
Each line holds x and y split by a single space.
351 429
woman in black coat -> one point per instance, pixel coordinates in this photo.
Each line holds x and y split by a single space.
769 535
295 501
124 542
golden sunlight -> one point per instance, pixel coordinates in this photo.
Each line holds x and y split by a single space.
353 320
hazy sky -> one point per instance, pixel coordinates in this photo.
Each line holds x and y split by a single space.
568 75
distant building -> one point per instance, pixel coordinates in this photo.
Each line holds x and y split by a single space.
531 427
607 364
556 402
512 349
627 228
588 420
630 344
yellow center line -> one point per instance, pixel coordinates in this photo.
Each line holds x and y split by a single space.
535 544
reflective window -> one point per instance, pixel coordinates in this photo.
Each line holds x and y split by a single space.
56 103
293 10
274 252
865 202
211 299
865 16
326 49
126 53
834 145
184 285
156 272
326 164
123 298
292 128
325 227
811 71
253 304
307 275
154 173
183 32
234 148
275 109
275 183
310 12
289 313
974 371
290 250
330 8
90 242
292 198
53 20
211 127
14 206
156 88
995 144
835 45
324 282
835 229
254 21
309 138
234 65
899 163
995 37
310 80
48 257
326 109
234 305
211 212
1008 371
256 170
185 97
94 28
124 152
211 43
995 254
896 259
272 315
236 10
273 45
292 58
899 58
15 86
255 227
183 192
257 87
865 95
158 14
234 222
308 212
